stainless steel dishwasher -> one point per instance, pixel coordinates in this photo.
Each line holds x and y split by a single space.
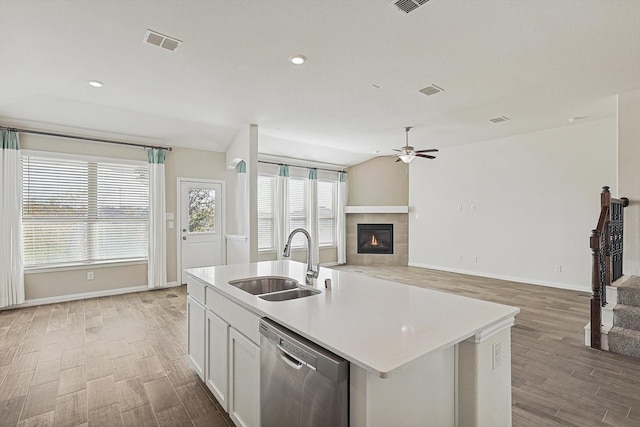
301 383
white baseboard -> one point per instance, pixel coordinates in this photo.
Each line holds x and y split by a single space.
502 277
85 295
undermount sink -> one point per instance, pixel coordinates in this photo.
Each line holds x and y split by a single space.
265 285
287 295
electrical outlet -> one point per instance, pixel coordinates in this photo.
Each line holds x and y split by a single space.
460 257
475 258
497 355
558 269
90 275
417 216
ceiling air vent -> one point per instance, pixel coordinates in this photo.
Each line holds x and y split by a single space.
431 90
407 6
499 119
160 40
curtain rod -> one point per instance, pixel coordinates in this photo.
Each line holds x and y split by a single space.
302 167
61 135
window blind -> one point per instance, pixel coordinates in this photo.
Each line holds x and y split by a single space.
327 192
297 210
265 212
83 211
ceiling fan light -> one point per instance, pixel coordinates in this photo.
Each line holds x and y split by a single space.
407 157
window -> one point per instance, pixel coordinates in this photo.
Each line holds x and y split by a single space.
298 209
80 210
265 212
327 193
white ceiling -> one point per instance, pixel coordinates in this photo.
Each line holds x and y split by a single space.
538 62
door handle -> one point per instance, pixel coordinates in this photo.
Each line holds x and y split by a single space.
184 237
184 230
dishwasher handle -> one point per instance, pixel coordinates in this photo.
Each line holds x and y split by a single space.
290 360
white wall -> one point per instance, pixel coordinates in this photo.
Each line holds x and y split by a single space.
536 198
629 176
243 147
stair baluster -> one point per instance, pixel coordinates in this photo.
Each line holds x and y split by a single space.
605 239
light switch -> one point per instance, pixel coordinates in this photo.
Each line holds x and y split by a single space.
170 224
169 217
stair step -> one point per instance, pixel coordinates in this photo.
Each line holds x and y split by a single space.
627 317
629 292
624 341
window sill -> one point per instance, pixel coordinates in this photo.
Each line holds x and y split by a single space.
71 267
304 248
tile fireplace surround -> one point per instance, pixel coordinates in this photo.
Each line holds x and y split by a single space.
400 238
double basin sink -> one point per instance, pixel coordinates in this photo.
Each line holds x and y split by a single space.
273 288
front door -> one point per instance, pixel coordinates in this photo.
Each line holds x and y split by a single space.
201 210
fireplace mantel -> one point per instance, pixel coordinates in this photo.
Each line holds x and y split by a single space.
377 209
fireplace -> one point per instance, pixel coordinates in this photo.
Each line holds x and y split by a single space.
375 238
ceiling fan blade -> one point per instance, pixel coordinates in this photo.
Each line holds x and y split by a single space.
398 160
426 156
427 151
395 149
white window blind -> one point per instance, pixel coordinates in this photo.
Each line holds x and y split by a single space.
298 210
83 211
265 212
327 192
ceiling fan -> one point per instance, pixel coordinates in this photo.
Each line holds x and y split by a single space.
407 153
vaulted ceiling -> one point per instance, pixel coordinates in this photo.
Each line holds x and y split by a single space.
537 62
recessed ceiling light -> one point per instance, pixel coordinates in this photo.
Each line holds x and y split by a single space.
297 59
95 83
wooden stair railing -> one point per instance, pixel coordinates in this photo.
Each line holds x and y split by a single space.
607 251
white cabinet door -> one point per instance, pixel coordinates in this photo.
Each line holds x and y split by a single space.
244 380
196 331
216 358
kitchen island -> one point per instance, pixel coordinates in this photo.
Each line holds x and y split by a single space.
417 356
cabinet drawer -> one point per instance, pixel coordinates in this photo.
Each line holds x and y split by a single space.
195 289
238 317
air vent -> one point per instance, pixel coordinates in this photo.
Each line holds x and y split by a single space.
431 90
407 6
499 119
160 40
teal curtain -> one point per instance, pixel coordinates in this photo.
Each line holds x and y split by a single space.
156 155
312 214
242 201
341 218
241 167
157 264
281 210
11 253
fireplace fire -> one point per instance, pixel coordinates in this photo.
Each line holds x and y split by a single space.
375 238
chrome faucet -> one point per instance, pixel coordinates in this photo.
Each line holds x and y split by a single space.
311 273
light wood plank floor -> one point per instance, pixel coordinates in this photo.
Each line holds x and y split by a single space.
120 360
112 361
556 380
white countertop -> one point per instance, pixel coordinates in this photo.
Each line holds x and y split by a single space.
377 324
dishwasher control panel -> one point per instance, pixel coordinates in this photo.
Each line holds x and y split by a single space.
297 352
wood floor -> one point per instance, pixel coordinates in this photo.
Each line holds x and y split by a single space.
119 361
112 361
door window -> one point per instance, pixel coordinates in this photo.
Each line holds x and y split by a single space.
202 210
